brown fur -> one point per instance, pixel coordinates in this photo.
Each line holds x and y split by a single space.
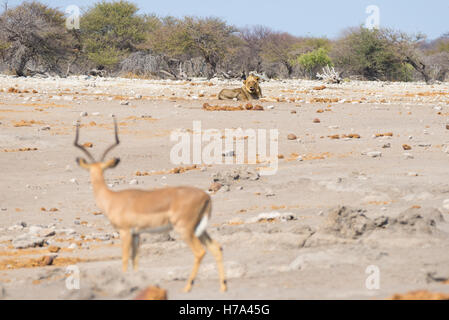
135 211
249 91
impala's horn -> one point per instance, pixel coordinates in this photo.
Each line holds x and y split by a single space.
80 146
116 143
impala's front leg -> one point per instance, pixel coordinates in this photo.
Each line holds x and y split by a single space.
126 238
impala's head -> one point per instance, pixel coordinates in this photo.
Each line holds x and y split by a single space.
97 166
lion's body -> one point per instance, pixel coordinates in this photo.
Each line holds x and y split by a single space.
249 91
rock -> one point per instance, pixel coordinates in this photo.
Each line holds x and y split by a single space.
316 120
348 223
291 136
46 128
225 188
69 232
27 241
46 261
138 96
446 204
408 156
124 103
215 186
15 227
133 182
420 295
229 177
374 154
102 236
270 107
272 216
152 293
433 277
84 114
386 146
54 249
406 147
418 220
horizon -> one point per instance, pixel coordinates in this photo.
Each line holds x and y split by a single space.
323 19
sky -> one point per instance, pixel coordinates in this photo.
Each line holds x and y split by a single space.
301 18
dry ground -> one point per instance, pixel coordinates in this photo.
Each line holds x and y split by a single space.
395 216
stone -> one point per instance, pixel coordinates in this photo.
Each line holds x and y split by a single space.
374 154
215 186
26 241
152 293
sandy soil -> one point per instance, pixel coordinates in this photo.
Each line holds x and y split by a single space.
311 231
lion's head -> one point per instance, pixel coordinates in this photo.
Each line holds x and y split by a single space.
252 84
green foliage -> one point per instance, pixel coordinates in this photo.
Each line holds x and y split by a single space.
443 45
370 53
315 60
33 31
110 30
210 38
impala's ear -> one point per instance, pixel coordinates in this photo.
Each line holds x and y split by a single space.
83 163
111 164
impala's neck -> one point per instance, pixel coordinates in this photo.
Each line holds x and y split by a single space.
101 191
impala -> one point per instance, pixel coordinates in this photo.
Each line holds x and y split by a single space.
133 212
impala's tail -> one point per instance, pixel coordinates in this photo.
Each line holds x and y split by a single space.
202 224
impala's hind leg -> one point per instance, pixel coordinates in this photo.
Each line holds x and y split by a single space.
126 238
217 251
135 250
199 252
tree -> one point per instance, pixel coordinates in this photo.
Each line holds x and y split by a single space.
190 37
110 30
279 47
251 51
375 54
314 61
33 34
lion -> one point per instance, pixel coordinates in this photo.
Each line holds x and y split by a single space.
249 91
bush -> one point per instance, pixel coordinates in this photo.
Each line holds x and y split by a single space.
111 30
33 38
314 61
366 52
